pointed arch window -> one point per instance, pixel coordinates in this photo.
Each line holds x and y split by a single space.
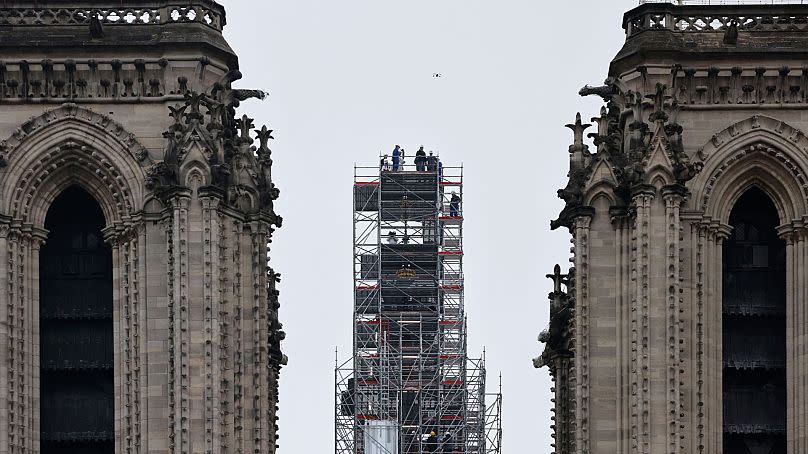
76 332
753 329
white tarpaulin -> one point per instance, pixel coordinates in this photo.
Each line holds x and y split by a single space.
381 437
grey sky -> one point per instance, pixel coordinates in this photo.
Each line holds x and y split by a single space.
350 78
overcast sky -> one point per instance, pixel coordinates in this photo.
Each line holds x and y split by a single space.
350 78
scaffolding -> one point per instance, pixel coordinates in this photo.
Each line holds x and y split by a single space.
410 387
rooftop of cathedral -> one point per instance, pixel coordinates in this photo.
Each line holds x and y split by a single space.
71 23
712 31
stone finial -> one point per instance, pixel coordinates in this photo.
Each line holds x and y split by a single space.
245 125
194 100
557 278
578 129
264 135
216 111
177 112
602 122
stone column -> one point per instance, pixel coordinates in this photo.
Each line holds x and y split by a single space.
622 223
225 328
37 241
141 442
640 322
19 337
11 296
5 367
796 237
559 365
581 335
176 226
178 309
799 314
792 328
698 238
125 243
260 335
673 197
111 238
714 363
21 413
210 315
708 335
241 269
214 322
158 359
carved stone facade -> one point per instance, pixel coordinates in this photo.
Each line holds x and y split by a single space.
135 106
702 105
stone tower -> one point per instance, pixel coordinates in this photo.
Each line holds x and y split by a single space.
138 313
681 327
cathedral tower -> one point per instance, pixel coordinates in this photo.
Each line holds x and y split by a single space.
138 313
681 327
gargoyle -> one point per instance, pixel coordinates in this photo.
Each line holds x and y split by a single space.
231 97
607 92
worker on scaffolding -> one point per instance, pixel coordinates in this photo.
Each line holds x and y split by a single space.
454 205
432 442
384 165
432 163
420 159
396 158
392 238
448 443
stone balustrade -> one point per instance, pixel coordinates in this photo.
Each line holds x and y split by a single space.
704 17
157 13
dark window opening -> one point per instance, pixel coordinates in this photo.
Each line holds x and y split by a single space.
754 325
76 344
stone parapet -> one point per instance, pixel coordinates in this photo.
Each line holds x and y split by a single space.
110 12
701 17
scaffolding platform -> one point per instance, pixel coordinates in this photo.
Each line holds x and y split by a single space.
410 386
